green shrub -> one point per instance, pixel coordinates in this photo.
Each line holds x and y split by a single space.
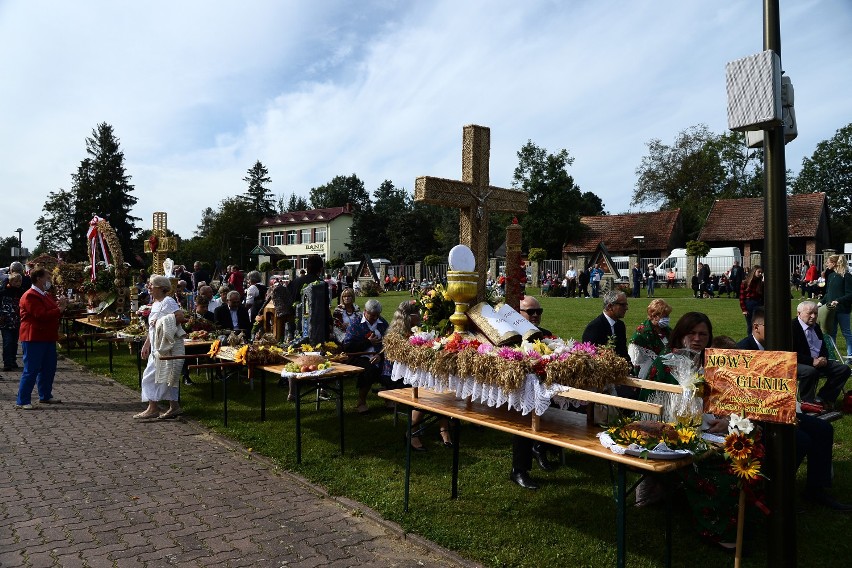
433 260
370 289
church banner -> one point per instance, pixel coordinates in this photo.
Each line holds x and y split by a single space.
760 385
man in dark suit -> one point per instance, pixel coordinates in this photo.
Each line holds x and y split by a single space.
812 359
637 280
199 275
735 279
609 324
233 315
814 436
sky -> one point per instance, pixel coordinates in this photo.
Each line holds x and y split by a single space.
198 90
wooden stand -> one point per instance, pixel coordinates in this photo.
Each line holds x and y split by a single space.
273 324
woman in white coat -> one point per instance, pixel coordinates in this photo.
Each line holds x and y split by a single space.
165 337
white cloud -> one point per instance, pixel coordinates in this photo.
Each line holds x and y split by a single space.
197 91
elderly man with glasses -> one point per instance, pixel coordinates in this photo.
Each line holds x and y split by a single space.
610 325
812 359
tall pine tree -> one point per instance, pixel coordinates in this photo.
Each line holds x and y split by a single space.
258 195
101 186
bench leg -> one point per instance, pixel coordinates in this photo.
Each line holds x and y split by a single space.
407 462
667 559
225 398
340 413
456 430
263 396
298 422
620 513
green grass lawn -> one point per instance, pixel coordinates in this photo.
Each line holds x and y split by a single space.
569 521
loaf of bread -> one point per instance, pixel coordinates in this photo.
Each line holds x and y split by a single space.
658 430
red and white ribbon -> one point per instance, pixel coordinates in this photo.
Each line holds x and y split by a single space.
96 239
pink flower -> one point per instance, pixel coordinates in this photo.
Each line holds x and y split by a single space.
510 354
484 349
585 347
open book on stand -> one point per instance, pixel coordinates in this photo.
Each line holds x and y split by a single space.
503 326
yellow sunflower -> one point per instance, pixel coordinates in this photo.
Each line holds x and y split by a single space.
746 469
240 355
738 446
214 349
635 437
686 435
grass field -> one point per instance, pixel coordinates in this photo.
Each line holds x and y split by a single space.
569 521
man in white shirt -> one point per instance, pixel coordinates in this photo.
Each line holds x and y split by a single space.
571 277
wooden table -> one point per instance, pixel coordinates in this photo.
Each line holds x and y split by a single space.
568 430
332 381
98 332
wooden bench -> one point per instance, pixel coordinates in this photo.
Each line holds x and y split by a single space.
569 430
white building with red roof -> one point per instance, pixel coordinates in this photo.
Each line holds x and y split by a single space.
299 234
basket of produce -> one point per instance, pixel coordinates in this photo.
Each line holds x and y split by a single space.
307 366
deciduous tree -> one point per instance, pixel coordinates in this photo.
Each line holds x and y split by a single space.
697 169
555 200
829 169
56 224
340 191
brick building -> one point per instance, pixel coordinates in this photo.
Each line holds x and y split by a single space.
661 231
739 223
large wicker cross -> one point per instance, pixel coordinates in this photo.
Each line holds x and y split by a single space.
473 196
159 244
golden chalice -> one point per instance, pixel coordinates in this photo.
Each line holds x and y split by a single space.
461 289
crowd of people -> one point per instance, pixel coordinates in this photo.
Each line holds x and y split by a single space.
28 309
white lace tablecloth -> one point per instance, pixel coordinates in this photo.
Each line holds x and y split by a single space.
532 397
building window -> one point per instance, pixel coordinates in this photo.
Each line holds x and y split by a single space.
279 238
265 239
320 235
306 236
291 237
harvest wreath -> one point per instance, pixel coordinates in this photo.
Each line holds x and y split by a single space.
552 360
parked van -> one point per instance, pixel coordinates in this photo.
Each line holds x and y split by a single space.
720 260
622 263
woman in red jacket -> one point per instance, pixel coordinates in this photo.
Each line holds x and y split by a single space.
40 314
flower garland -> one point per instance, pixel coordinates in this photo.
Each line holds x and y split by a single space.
329 347
259 355
574 364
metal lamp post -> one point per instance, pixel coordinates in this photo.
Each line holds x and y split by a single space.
639 240
20 243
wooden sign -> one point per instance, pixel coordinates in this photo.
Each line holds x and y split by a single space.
760 385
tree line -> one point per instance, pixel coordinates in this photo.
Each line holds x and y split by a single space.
691 173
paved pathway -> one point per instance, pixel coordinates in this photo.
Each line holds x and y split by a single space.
81 484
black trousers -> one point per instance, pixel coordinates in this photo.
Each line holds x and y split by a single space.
836 375
814 439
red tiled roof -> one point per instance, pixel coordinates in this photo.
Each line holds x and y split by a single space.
742 219
310 216
617 231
